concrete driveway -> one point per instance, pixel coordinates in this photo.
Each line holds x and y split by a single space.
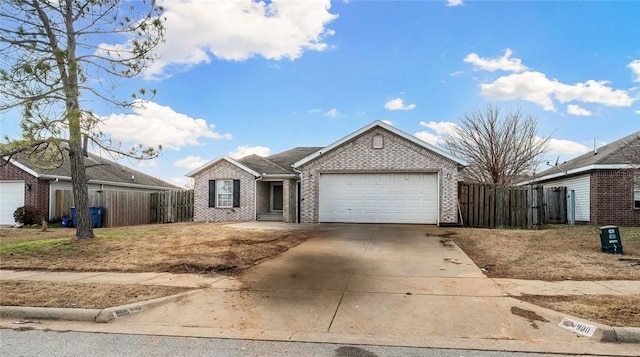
365 284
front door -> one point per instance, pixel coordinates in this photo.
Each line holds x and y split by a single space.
276 197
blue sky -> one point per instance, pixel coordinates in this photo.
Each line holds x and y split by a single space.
239 77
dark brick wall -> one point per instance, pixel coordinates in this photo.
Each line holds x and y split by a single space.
612 198
37 196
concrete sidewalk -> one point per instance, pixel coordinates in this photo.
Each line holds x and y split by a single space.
363 284
162 279
435 285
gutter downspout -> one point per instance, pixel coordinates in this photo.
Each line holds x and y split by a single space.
299 198
255 198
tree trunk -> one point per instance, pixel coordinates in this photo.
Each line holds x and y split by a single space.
84 229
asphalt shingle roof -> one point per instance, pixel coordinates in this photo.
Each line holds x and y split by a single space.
277 164
618 152
97 168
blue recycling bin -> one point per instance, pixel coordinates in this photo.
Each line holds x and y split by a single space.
74 219
96 216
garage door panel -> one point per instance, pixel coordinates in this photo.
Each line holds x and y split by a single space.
12 197
379 198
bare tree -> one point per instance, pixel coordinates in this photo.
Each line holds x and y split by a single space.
499 148
54 59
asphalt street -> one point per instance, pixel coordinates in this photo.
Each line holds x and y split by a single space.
48 343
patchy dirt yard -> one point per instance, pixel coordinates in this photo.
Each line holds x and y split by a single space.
613 310
554 253
79 295
175 248
560 253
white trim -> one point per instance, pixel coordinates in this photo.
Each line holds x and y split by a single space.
387 127
23 167
580 170
215 161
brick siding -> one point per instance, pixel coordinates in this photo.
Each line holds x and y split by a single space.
612 198
224 170
38 196
397 155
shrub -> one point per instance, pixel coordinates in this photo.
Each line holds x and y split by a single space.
27 215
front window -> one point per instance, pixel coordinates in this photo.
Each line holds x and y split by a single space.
224 193
636 190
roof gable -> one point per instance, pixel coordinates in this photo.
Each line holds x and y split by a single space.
223 158
387 127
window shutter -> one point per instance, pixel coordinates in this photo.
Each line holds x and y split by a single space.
236 193
212 193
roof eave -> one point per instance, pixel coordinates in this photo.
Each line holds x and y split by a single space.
584 169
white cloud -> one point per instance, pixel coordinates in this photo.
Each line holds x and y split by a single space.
428 137
314 111
455 3
388 122
332 113
152 124
635 68
592 92
437 130
184 182
242 151
190 162
575 109
504 63
398 104
537 88
148 163
566 147
236 30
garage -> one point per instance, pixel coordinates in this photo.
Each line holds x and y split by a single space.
12 194
379 198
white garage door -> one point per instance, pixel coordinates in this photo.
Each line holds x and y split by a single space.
379 198
11 197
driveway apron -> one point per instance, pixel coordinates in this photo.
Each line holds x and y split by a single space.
387 284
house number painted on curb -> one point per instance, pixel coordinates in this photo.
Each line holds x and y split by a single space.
578 327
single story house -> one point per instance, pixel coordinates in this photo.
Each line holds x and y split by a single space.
24 183
605 182
377 174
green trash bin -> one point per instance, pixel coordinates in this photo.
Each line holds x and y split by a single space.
611 240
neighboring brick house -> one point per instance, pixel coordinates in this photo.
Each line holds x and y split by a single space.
24 183
605 182
377 174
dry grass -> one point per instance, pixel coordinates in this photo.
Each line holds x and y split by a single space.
176 248
613 310
554 253
75 295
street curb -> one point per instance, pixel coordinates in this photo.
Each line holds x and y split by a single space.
110 313
49 313
627 334
89 315
604 333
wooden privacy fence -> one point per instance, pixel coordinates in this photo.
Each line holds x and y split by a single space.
493 206
172 206
555 205
127 208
